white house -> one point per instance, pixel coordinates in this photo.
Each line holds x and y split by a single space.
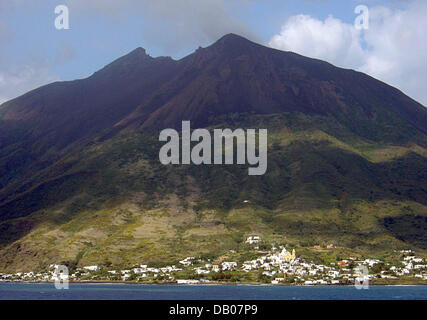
253 239
92 268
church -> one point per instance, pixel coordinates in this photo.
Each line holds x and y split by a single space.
287 256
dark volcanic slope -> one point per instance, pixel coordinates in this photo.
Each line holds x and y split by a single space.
236 75
63 112
35 127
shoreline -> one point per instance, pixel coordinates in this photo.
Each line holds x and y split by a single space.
211 284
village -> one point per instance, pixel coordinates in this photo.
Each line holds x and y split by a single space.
278 266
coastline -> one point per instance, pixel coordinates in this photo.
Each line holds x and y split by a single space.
213 284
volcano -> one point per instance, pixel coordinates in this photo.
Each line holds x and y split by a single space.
79 167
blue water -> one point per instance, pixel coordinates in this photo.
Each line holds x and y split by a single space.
46 291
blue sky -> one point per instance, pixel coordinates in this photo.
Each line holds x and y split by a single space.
33 52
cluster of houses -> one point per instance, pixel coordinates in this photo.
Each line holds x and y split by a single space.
410 265
279 265
143 271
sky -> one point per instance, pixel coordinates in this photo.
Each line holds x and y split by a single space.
391 47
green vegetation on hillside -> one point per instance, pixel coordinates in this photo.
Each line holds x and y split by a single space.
111 201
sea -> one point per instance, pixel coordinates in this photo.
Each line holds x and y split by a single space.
119 291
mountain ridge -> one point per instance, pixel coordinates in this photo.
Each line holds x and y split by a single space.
228 47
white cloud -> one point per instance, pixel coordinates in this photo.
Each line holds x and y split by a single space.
331 39
393 49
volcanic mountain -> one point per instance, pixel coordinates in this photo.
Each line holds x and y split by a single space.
80 178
